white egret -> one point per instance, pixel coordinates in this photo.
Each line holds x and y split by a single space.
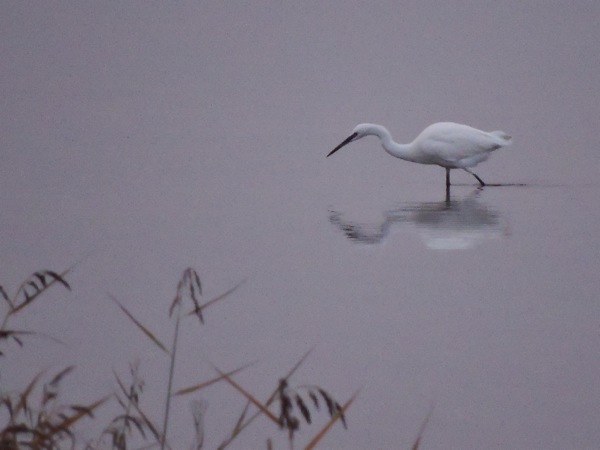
446 144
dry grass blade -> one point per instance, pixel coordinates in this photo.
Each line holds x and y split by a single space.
8 436
197 280
302 407
149 424
199 408
216 299
131 395
241 424
6 298
7 402
122 426
59 376
22 405
314 399
250 397
124 390
191 280
80 411
338 415
144 330
332 407
422 429
16 335
50 391
176 301
194 281
5 334
289 374
291 402
173 357
40 277
199 386
286 419
238 427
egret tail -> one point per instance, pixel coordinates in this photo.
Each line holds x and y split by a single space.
506 138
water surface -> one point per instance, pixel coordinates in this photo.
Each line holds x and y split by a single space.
138 141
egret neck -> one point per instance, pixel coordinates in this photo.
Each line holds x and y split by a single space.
402 151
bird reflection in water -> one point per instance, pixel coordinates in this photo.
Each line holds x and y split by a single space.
447 225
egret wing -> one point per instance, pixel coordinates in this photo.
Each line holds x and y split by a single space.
449 143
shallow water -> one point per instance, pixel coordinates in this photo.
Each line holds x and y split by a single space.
140 141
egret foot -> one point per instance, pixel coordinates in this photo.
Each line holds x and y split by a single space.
475 175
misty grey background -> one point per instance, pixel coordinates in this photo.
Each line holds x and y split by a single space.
140 138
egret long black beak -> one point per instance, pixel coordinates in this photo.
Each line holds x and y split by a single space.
346 141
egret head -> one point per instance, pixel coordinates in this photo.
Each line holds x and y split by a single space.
361 130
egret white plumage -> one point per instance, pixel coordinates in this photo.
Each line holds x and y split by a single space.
446 144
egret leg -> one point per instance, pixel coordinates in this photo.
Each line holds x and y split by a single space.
475 175
447 178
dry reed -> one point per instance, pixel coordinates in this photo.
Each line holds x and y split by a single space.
37 419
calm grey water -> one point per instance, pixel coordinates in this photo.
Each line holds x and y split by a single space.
138 140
